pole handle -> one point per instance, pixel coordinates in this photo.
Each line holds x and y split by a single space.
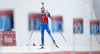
42 4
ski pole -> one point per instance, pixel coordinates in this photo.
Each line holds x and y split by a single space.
63 37
31 35
42 4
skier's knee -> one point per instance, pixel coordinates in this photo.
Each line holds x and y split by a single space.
49 31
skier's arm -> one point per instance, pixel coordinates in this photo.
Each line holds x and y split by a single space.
48 14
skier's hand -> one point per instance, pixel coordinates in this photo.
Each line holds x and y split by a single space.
48 14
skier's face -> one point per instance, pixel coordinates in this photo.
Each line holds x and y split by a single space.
42 11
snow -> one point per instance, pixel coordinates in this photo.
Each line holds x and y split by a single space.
33 49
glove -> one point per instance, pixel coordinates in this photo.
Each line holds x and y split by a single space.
48 14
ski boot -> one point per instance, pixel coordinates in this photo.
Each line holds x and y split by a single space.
42 46
55 44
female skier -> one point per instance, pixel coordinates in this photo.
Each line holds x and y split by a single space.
44 25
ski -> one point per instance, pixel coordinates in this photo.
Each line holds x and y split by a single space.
41 48
57 46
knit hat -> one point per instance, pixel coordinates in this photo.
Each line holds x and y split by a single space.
42 8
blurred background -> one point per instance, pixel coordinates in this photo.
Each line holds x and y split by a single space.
77 20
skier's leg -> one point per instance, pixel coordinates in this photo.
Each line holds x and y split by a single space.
42 36
47 29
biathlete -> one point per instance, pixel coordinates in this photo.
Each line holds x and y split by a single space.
44 25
